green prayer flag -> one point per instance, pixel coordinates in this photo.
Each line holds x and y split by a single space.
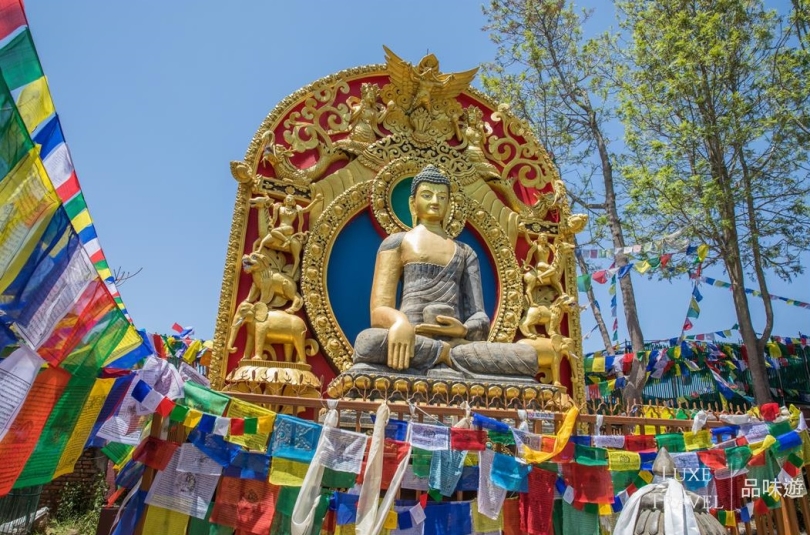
15 142
590 456
334 479
673 442
737 458
89 355
420 460
204 400
507 439
55 435
579 522
251 426
75 205
116 452
584 283
203 526
178 413
777 429
19 61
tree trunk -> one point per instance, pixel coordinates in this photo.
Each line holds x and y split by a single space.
597 312
625 283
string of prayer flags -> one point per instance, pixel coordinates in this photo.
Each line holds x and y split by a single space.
756 293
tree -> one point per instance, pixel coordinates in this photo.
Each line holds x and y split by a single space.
713 102
555 80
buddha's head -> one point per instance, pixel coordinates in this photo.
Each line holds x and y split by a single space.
430 196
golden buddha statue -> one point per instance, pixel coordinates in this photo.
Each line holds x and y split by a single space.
440 328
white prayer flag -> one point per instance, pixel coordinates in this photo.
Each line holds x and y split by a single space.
430 437
343 450
17 374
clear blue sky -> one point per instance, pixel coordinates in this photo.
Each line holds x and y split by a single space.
156 98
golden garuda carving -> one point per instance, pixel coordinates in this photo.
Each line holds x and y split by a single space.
327 179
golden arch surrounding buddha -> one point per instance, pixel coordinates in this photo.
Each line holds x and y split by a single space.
441 325
336 153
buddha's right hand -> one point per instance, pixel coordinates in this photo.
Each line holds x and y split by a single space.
401 342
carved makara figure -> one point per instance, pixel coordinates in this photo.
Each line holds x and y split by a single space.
441 320
266 327
283 226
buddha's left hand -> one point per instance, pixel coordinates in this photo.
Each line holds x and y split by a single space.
447 326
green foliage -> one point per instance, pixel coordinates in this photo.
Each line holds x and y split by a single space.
713 109
79 508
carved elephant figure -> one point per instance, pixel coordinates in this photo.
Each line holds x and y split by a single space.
551 351
267 327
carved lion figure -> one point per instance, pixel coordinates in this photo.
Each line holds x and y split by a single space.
270 286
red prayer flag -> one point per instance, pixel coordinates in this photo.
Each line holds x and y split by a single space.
536 506
176 327
237 426
165 407
714 459
20 441
600 276
511 516
245 504
394 452
592 484
639 442
566 455
69 188
468 439
12 16
155 452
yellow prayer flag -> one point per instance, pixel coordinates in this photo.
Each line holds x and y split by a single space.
287 473
642 267
646 475
34 103
193 348
28 200
598 365
731 519
758 448
702 251
82 220
701 440
620 460
160 520
538 457
242 409
266 423
390 520
193 418
471 459
87 418
484 524
605 509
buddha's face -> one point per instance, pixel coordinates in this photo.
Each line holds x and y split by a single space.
430 202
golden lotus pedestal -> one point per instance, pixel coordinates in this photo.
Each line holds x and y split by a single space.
291 379
489 393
